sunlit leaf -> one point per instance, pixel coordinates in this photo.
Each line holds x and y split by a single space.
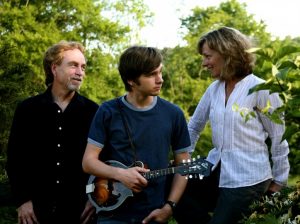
235 107
253 50
266 108
274 70
266 54
297 61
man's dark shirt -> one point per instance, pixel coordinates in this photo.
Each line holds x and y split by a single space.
45 153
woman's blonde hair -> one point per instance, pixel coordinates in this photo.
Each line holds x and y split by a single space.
232 45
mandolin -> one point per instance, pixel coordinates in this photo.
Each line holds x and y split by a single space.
107 194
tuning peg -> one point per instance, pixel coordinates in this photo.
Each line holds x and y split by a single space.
190 176
201 176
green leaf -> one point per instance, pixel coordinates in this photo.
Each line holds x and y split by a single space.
290 131
235 107
253 114
295 113
282 73
286 50
274 70
276 118
266 53
247 117
276 88
297 61
266 108
253 50
287 64
261 86
294 102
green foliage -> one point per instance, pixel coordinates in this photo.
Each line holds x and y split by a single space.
281 69
182 77
105 27
102 75
245 113
283 78
185 81
205 19
277 62
281 208
8 215
28 28
15 81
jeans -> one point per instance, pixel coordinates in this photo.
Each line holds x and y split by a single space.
204 202
233 203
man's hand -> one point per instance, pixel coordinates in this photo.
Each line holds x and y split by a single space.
26 214
274 187
88 213
161 215
133 179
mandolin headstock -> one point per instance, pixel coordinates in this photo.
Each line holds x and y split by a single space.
194 168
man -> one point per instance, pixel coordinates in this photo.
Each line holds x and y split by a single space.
139 126
47 142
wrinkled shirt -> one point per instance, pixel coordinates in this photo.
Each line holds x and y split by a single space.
45 151
240 146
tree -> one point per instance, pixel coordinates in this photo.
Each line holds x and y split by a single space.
230 13
185 79
28 28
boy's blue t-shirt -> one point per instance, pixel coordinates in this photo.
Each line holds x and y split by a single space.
155 131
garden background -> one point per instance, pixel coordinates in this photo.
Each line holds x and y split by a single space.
106 28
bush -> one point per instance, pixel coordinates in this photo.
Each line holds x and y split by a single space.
282 207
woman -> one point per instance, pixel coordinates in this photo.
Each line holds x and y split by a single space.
242 171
